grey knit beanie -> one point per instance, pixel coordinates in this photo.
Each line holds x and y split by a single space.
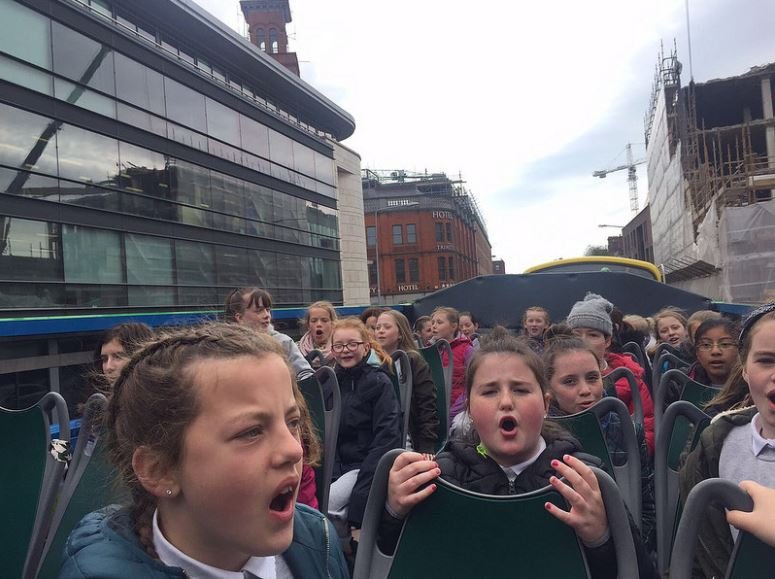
594 312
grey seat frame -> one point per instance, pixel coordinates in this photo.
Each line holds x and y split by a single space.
674 374
331 416
627 475
372 563
666 479
405 388
637 401
716 490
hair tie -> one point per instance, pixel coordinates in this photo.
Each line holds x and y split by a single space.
754 317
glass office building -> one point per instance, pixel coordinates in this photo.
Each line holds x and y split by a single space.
150 159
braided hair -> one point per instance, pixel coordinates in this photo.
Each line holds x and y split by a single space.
155 399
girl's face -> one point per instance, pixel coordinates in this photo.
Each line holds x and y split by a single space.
716 353
759 372
597 341
507 408
387 333
672 331
257 316
576 383
113 359
442 327
468 327
426 332
535 323
320 324
236 484
349 347
371 324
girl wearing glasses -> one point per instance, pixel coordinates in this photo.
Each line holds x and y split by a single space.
715 344
370 424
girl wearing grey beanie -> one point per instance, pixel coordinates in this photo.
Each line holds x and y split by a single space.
590 320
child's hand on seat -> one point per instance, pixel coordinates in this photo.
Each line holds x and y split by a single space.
408 475
760 521
587 513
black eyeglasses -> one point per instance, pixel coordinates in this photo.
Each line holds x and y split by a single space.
350 346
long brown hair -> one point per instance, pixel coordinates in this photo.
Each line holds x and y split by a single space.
237 304
155 400
405 339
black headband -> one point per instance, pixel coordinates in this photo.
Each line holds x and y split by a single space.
754 317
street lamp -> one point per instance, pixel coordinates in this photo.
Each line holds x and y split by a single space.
376 233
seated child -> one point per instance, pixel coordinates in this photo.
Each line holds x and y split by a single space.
204 428
514 450
738 445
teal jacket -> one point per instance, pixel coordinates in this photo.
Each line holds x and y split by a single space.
104 545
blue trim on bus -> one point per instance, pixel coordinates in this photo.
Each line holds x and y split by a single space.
13 327
732 309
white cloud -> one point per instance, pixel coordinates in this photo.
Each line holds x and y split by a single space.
492 88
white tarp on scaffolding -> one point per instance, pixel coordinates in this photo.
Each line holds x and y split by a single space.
747 237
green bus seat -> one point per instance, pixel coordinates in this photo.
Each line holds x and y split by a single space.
586 427
325 421
442 379
455 533
676 385
750 557
402 381
30 479
637 402
90 484
679 432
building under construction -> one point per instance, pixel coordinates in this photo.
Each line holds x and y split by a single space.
423 232
711 169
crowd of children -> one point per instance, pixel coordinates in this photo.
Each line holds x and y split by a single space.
208 431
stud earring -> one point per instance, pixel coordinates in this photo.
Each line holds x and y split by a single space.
168 492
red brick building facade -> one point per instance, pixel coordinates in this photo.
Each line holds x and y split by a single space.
266 23
426 233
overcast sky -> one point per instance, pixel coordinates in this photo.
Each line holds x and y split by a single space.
524 99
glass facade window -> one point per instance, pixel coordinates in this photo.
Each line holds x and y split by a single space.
185 105
439 232
442 262
82 59
281 148
449 232
414 270
372 273
255 136
139 85
411 233
222 122
84 98
194 263
26 76
29 185
398 235
92 255
148 260
400 271
25 34
371 236
29 250
87 156
27 140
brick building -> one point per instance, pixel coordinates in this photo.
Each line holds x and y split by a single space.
266 24
425 232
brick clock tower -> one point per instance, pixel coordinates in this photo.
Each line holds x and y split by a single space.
266 22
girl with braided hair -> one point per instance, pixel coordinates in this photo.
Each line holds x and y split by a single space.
204 428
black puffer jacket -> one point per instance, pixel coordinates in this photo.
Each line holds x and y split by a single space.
370 425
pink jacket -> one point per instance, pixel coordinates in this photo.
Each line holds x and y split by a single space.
462 351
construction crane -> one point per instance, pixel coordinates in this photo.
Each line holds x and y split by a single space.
632 176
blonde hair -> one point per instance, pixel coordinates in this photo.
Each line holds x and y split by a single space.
321 305
405 338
